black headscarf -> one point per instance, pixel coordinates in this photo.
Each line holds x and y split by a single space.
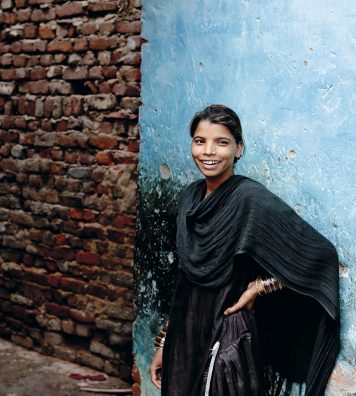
242 217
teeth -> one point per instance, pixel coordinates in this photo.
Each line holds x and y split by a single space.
210 162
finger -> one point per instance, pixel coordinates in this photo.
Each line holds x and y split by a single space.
234 308
155 378
157 383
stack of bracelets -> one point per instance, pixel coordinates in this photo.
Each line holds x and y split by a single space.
269 285
161 337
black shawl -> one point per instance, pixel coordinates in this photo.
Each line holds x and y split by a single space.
242 217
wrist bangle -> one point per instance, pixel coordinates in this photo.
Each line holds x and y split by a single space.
159 343
257 288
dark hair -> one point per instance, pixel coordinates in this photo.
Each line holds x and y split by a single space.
219 114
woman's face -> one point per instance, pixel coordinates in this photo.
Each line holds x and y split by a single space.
213 150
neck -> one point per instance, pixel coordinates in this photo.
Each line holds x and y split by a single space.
212 184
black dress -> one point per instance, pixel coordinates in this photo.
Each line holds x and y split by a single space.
224 241
196 323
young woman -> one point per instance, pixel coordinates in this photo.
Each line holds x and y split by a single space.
256 307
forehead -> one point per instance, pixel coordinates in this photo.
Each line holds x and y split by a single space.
209 129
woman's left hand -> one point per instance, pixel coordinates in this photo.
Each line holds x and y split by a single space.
246 300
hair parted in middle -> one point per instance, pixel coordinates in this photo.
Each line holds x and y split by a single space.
219 114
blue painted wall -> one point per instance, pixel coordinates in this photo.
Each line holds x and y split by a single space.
287 68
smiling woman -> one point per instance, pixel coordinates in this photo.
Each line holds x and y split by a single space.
256 306
214 150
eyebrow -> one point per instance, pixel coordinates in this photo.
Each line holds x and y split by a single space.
221 137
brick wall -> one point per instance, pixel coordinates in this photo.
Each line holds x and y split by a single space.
69 98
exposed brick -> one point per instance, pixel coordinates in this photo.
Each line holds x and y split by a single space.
78 73
70 9
81 316
88 258
100 6
85 214
38 73
102 43
103 158
74 285
128 27
57 310
46 32
130 73
30 31
69 98
103 142
89 28
60 45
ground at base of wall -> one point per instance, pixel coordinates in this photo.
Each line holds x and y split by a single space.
27 373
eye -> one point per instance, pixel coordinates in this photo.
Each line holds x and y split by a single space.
198 141
223 142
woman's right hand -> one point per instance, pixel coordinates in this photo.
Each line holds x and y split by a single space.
155 368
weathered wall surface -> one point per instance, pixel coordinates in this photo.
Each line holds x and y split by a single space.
69 97
288 70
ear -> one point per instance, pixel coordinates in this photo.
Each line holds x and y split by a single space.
239 150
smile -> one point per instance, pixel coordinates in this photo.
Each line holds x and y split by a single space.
210 162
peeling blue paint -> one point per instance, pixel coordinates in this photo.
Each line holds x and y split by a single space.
287 68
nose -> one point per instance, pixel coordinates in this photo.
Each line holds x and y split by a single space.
209 148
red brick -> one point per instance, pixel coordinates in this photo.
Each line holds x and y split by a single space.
136 374
8 136
89 28
34 46
16 47
81 44
30 31
74 285
35 87
128 27
62 252
101 43
130 73
8 74
60 45
136 390
42 16
96 72
9 165
124 221
23 314
72 105
88 258
70 9
106 28
38 73
103 158
46 32
57 310
110 71
20 3
84 214
81 316
9 18
104 88
53 280
22 73
78 73
97 289
23 15
100 6
103 142
20 60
